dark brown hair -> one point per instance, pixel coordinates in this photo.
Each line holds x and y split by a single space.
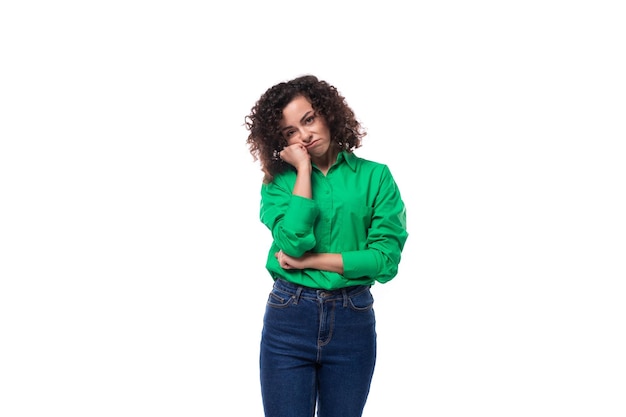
265 140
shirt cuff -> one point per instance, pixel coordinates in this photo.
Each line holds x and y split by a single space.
358 264
301 214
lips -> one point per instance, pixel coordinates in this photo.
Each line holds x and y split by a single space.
311 144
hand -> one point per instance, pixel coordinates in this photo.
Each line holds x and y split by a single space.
296 155
289 262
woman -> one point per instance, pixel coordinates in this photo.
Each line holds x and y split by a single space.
338 224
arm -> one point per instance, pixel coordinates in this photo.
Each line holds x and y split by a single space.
287 208
386 236
299 158
332 262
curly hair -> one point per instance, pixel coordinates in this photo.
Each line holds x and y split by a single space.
265 140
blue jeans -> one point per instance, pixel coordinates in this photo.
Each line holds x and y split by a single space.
318 350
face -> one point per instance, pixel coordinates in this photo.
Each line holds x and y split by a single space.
300 124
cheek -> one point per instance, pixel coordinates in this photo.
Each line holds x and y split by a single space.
324 129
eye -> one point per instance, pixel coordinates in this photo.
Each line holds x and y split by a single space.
289 133
309 120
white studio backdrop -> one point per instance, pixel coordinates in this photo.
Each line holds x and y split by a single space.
132 277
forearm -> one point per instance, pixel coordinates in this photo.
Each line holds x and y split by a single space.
302 187
332 262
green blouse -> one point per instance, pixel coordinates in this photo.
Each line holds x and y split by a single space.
356 211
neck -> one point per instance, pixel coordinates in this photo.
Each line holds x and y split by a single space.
326 161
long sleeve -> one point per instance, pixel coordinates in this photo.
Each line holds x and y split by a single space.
290 218
385 238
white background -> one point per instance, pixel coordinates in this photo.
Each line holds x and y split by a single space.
132 257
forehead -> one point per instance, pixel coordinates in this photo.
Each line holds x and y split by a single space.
295 110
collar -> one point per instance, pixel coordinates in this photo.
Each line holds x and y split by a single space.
349 158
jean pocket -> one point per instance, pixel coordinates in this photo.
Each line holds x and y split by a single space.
362 301
279 299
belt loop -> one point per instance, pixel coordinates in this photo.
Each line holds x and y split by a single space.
344 292
298 294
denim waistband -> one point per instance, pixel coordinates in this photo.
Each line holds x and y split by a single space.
301 291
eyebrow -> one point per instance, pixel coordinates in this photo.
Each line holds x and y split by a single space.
301 120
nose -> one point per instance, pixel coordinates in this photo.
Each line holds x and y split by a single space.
305 135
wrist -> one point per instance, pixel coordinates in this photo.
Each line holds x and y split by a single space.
303 164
